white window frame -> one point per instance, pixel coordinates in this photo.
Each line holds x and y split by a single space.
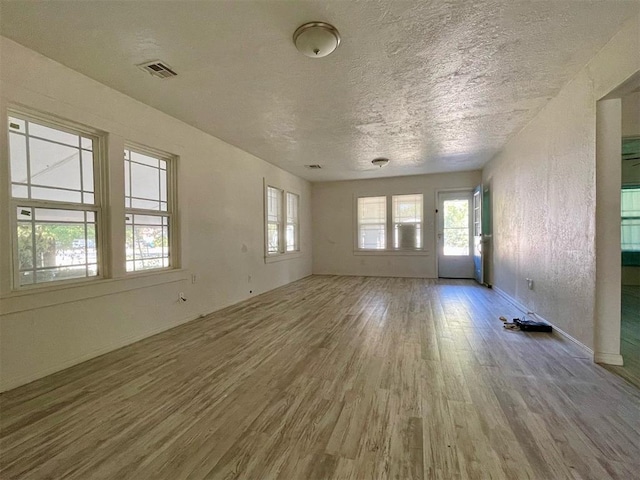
282 253
389 228
170 213
97 207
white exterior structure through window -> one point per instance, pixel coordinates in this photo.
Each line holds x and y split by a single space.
149 209
55 197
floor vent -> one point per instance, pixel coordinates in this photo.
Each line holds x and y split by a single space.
314 167
158 69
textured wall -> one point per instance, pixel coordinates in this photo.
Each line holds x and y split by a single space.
333 208
221 212
544 197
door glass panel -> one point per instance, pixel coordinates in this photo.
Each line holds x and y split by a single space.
456 227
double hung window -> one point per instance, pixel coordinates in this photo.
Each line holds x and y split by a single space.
148 210
282 221
56 200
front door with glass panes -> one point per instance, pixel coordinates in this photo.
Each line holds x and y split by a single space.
455 252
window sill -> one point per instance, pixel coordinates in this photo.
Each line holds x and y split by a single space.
282 256
401 253
50 295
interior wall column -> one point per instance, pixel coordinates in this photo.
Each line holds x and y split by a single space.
608 250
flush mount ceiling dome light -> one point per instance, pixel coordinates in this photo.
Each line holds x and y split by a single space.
380 162
316 39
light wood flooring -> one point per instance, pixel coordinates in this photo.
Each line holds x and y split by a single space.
630 335
332 378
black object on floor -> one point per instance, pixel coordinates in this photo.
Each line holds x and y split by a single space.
531 326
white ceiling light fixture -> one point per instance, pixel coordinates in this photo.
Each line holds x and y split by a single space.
316 39
380 162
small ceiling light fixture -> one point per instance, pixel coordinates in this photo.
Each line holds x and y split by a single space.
380 162
316 39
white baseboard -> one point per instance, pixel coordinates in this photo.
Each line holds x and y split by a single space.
556 330
609 359
11 383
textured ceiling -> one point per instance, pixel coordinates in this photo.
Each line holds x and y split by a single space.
433 85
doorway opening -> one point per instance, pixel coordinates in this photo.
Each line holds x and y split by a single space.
617 322
455 247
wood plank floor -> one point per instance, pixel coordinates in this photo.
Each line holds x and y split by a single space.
332 378
630 335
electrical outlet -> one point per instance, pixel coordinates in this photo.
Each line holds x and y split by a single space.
193 278
530 283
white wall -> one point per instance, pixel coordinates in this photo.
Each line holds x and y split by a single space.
221 213
544 196
333 210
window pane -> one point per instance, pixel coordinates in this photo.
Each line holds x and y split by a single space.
372 221
19 191
630 202
87 143
274 208
55 244
18 154
145 159
54 165
163 185
59 215
25 246
42 193
144 204
630 235
272 238
456 227
145 182
292 208
147 242
291 238
372 236
53 134
87 171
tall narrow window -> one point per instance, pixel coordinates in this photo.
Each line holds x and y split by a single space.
293 232
148 210
372 220
407 222
55 200
274 220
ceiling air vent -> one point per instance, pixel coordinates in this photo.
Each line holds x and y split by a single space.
158 68
314 167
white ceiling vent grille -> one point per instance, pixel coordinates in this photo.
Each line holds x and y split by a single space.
158 69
